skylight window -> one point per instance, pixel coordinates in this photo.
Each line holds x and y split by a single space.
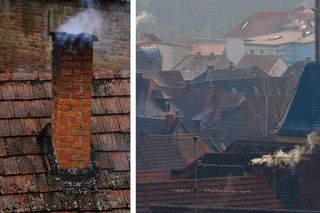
277 37
244 25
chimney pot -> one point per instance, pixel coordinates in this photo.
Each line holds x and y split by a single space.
72 77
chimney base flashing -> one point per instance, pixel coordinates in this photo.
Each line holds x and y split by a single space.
73 181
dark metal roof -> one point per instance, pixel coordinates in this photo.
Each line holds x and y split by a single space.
149 58
303 112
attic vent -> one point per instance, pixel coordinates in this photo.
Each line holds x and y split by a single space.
244 25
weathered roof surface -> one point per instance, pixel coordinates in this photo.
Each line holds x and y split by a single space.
280 38
213 165
296 69
258 24
245 192
263 147
190 209
172 78
147 106
192 66
164 78
25 100
164 152
264 62
230 74
207 49
303 115
261 23
198 103
152 176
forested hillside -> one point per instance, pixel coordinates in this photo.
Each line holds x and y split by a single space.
205 18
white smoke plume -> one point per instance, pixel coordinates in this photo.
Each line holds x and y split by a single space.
87 21
290 159
145 17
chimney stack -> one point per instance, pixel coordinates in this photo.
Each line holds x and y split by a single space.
72 77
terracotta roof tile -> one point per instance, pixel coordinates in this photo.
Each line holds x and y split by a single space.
19 109
14 203
21 161
2 148
4 128
120 160
24 91
20 76
10 166
8 91
103 160
253 191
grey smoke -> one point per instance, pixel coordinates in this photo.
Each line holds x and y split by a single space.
87 21
289 159
145 17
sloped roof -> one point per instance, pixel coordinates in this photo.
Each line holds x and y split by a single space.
303 115
194 65
147 37
164 78
152 176
164 152
263 147
146 103
263 62
172 78
190 209
258 24
198 103
241 192
25 100
212 165
261 23
230 74
281 38
296 69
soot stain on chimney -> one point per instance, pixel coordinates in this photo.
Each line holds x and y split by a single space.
79 182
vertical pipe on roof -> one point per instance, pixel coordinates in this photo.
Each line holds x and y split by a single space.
317 38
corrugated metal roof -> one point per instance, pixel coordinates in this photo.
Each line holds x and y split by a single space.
149 58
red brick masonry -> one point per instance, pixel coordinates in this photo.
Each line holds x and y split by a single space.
72 99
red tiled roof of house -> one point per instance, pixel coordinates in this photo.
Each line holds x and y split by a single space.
152 176
263 62
258 24
261 23
26 183
165 152
245 192
192 66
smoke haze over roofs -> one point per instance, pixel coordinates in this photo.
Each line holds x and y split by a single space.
145 17
290 159
87 21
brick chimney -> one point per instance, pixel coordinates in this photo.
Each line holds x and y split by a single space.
72 78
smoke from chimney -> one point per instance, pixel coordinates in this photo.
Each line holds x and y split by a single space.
88 21
289 159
